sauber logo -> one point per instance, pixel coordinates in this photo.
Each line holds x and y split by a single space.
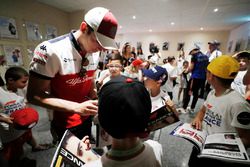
78 80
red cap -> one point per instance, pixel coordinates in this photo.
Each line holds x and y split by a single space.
137 62
25 118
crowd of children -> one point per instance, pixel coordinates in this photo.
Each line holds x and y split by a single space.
129 88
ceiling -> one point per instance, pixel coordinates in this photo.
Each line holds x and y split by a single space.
157 15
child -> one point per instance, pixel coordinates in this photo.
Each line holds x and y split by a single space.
114 69
134 70
244 61
12 139
225 110
153 79
184 77
124 110
16 81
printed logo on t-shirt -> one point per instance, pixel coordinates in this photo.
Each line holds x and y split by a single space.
244 118
212 118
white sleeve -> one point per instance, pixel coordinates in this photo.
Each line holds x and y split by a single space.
45 61
241 115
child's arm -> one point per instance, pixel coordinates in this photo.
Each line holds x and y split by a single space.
197 121
171 104
244 135
6 119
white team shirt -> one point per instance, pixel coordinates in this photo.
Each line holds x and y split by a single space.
172 72
9 102
226 112
238 85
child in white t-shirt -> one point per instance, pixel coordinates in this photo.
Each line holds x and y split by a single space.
225 110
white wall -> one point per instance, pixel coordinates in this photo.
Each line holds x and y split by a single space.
240 34
174 38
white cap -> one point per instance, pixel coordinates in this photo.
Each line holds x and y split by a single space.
104 24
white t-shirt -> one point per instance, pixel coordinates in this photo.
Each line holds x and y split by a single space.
9 102
238 85
226 112
172 72
213 55
159 100
150 157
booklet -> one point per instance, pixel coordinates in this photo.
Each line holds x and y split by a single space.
222 146
71 152
162 117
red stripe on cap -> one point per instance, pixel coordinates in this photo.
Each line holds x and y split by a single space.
108 26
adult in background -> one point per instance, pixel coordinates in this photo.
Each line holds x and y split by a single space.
62 69
196 83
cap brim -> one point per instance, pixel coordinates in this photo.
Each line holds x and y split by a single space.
146 72
106 42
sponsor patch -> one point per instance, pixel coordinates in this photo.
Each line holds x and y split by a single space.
39 61
244 118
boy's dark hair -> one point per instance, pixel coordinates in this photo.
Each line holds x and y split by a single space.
243 55
124 107
15 73
185 62
225 82
116 56
171 58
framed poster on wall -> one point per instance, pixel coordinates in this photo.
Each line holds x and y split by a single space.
180 46
51 32
33 31
8 28
2 56
13 55
229 49
165 45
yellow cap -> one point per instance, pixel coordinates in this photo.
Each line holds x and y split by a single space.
224 67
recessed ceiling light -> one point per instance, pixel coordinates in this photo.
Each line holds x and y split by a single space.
134 17
120 27
172 23
201 28
216 10
150 30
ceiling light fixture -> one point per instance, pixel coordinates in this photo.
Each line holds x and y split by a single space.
150 30
134 17
201 28
172 23
216 10
120 27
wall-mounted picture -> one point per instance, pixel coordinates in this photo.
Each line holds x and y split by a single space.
180 46
118 45
13 55
33 31
2 56
230 45
51 32
165 45
8 28
138 45
248 43
237 46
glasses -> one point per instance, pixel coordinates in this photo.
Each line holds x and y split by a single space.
114 66
83 70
